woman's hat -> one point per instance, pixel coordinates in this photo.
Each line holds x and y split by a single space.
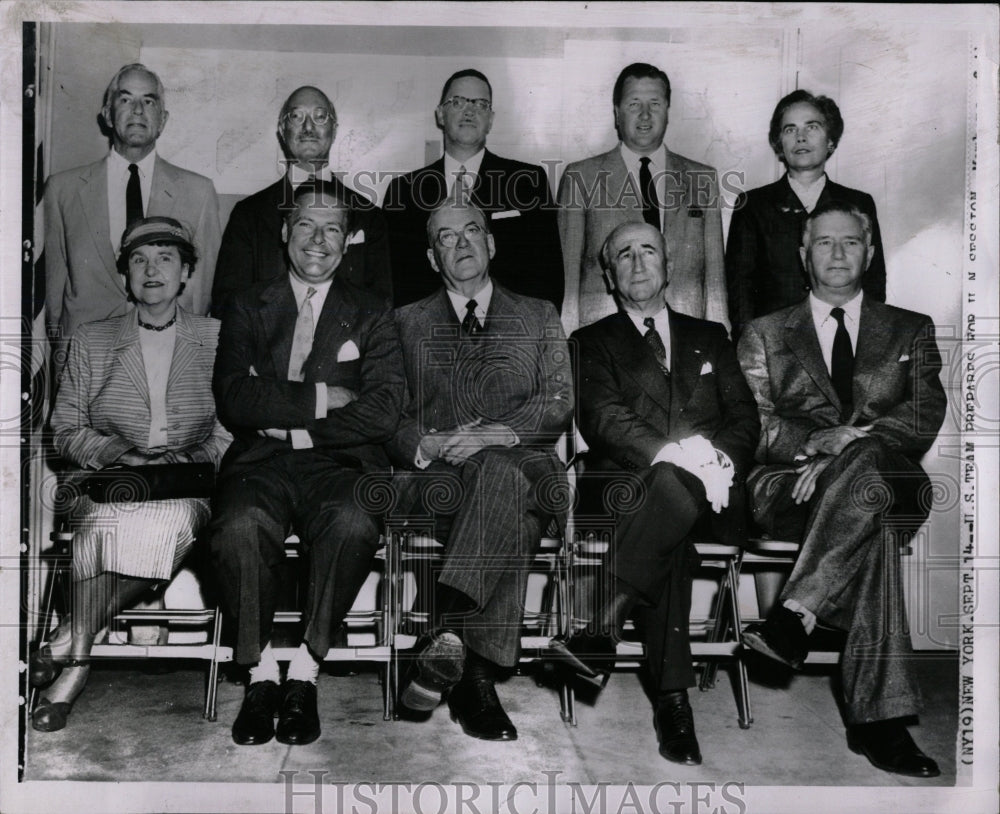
145 231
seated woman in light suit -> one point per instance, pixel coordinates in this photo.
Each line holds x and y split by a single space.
137 389
763 269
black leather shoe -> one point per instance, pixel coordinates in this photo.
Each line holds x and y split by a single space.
298 717
50 716
434 671
592 658
255 723
42 668
674 723
476 707
781 637
889 747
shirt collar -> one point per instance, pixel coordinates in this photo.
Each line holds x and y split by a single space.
452 166
299 288
298 176
821 310
483 298
661 319
118 163
657 159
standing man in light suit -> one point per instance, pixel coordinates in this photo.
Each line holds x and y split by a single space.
88 208
642 180
252 247
514 196
309 378
850 399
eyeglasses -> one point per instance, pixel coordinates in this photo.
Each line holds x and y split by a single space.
298 116
449 237
461 102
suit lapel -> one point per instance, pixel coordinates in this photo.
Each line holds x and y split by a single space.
875 334
787 201
685 362
162 196
637 361
128 352
675 192
622 193
278 314
800 336
93 194
186 349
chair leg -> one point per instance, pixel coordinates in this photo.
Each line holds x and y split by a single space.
212 690
745 712
718 631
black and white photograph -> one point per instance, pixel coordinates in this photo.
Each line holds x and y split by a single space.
499 407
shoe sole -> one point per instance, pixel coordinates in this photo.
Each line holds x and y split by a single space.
439 668
756 642
297 741
885 768
502 739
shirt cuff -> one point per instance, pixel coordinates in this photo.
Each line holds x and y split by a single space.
301 439
321 402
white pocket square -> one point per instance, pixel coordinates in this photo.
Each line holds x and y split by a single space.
348 352
706 368
357 237
510 213
904 358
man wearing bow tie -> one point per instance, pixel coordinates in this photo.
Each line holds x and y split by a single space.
850 399
514 196
252 249
490 391
309 379
669 420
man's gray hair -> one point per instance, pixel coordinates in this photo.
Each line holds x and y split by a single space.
844 208
115 82
605 254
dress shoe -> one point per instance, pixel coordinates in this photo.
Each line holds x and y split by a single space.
674 723
298 717
42 668
434 671
889 747
476 707
255 723
591 657
50 716
781 637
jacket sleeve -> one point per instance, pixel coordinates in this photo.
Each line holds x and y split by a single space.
741 254
56 262
873 281
715 264
235 258
74 437
571 220
207 236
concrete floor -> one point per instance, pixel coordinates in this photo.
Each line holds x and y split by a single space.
131 726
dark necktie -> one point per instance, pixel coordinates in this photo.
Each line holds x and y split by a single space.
470 325
650 203
133 196
842 364
655 341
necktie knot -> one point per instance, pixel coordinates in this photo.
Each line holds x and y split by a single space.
470 325
837 314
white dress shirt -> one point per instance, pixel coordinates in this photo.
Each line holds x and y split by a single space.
483 297
453 168
298 176
118 176
157 355
657 168
808 194
826 325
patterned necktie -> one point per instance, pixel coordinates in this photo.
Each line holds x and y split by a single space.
470 325
302 339
655 341
650 203
842 364
133 196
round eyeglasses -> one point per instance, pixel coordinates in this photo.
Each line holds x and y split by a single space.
462 102
449 237
298 116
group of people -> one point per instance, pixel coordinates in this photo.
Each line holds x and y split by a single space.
424 339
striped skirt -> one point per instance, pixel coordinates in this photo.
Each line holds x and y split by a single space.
146 540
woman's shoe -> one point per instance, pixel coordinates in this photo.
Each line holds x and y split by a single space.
50 716
42 668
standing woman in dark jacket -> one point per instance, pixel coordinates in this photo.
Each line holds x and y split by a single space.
763 269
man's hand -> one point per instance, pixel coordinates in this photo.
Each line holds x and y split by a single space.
832 440
716 479
135 458
337 397
465 442
697 455
808 474
278 435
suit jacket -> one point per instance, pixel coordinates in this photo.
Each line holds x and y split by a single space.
763 269
355 345
252 250
629 410
82 282
518 373
897 388
515 198
102 407
596 195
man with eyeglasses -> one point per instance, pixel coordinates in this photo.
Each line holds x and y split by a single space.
252 249
642 180
514 196
489 391
88 208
